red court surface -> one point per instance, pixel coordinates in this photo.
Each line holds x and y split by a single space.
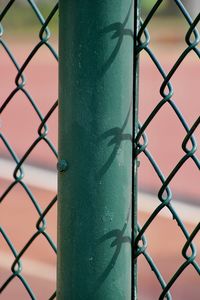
19 124
39 260
165 132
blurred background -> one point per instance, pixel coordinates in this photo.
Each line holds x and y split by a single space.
19 123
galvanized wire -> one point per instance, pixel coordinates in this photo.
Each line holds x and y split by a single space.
19 176
189 146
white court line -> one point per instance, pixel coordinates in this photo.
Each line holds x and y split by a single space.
33 268
187 212
46 179
34 176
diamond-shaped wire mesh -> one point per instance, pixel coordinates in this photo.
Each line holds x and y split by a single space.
20 88
168 102
165 197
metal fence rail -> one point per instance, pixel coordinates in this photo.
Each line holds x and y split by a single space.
189 146
19 176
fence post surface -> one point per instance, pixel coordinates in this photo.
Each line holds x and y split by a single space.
95 149
134 150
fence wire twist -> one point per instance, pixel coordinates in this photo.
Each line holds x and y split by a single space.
189 146
192 38
19 176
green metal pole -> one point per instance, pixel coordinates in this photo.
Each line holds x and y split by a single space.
95 150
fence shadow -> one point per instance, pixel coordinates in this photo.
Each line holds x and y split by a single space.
118 238
119 32
117 136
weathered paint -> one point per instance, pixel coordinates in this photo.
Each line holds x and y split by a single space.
95 128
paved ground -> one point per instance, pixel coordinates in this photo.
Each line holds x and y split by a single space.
165 132
39 260
18 123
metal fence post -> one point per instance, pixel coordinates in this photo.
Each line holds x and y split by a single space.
135 159
95 146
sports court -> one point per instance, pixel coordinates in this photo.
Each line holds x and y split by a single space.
19 124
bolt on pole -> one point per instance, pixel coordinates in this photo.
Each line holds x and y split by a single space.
95 149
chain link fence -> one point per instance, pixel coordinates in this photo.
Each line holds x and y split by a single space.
165 196
189 146
32 11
